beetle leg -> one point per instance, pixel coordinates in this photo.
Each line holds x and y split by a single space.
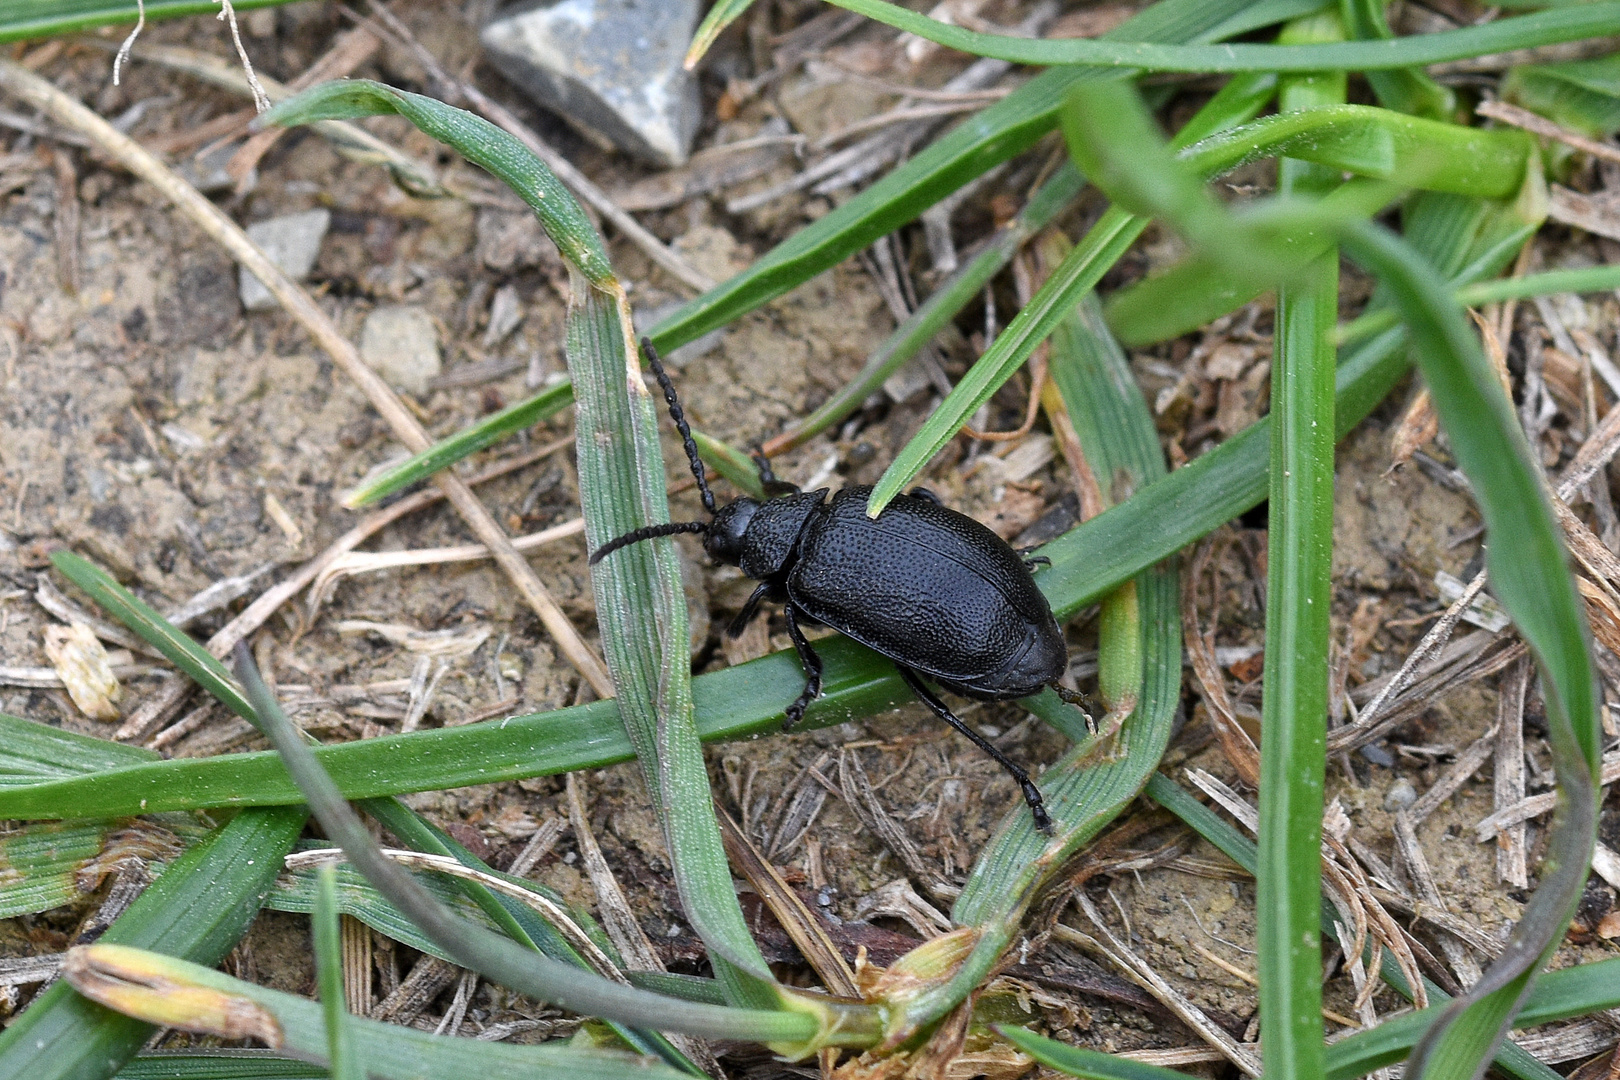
925 495
812 671
773 484
747 613
1032 794
1032 561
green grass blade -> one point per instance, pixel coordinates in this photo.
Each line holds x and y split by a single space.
1530 577
999 132
1078 1061
155 630
31 752
1299 600
720 16
340 1049
1079 272
197 908
446 452
1523 32
1579 94
481 142
389 1050
1590 279
23 20
219 1065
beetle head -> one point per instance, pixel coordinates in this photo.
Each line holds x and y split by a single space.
724 538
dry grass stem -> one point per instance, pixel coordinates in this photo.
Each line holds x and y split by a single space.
1512 863
1416 862
1540 125
803 928
613 908
857 793
416 991
355 940
213 221
1236 745
1536 805
1474 755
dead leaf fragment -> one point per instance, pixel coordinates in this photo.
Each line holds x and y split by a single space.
81 661
142 985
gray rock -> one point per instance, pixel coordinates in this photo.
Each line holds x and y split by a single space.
292 241
1400 796
613 66
400 342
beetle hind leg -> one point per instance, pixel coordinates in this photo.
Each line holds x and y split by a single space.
746 615
812 671
1032 794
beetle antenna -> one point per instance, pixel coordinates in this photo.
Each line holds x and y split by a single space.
676 414
648 532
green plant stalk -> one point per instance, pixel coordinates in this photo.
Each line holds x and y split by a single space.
469 440
1529 574
231 1064
1299 600
472 946
198 908
340 1048
390 1051
1523 32
1091 784
730 463
999 132
26 20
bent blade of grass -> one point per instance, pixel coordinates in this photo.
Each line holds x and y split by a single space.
641 608
1009 127
1590 279
471 439
391 1051
1408 90
198 908
1091 784
1096 253
1530 576
720 16
1523 32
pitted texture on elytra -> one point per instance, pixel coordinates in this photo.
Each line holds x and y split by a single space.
933 590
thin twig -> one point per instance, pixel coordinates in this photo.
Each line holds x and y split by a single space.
65 110
129 42
1540 125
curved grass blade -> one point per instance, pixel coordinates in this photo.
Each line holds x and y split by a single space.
1590 279
391 1051
1579 94
1523 32
1078 1061
999 132
641 608
481 950
471 439
198 908
1530 577
1098 777
1408 90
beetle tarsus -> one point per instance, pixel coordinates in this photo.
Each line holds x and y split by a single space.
812 671
1032 794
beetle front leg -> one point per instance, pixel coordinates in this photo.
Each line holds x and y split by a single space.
1032 794
812 671
746 615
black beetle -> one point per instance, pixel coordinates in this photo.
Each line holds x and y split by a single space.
931 589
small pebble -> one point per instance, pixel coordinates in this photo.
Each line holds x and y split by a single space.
1378 754
400 342
1400 796
293 242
